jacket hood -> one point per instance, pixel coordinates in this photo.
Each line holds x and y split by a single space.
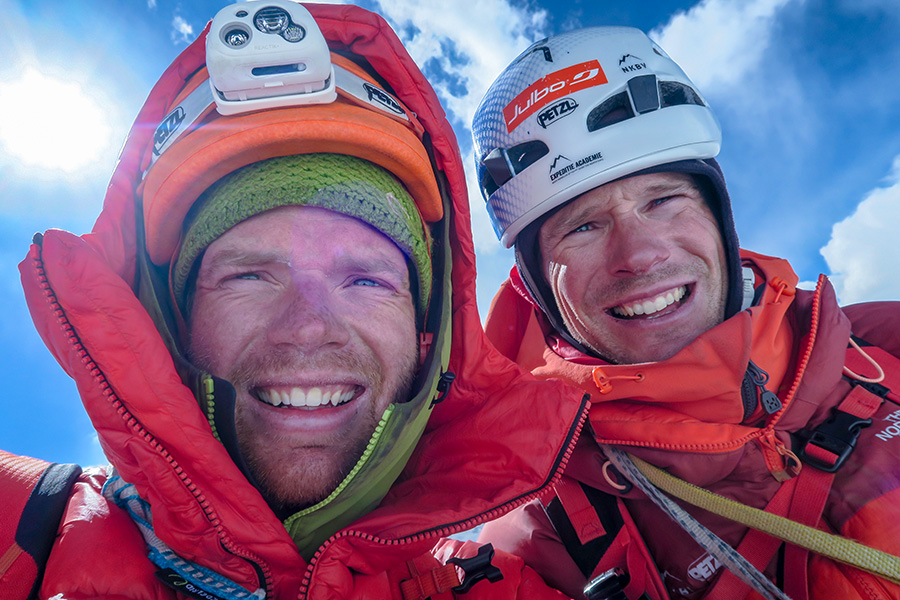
693 401
407 490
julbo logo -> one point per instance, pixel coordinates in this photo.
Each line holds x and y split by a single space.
552 87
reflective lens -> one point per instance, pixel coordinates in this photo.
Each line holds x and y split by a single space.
236 37
294 33
271 19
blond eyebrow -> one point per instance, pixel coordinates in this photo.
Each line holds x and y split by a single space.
240 257
236 257
577 217
372 264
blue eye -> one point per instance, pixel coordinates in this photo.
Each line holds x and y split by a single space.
248 276
366 282
585 227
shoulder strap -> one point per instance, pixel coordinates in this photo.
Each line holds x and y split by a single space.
35 494
587 521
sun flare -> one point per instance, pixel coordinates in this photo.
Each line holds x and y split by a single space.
50 123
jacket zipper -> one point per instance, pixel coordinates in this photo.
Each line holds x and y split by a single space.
132 422
451 528
768 430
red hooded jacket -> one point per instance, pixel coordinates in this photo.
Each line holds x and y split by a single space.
483 452
686 415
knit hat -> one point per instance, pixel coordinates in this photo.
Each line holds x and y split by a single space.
341 183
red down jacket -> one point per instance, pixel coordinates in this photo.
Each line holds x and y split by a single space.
483 452
685 415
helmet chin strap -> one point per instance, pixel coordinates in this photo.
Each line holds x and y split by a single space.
547 304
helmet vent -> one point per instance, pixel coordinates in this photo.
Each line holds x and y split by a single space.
674 94
613 110
501 165
617 108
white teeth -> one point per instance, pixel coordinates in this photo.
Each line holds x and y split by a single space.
308 398
649 307
298 397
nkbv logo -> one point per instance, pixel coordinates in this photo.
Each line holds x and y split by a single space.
631 63
552 87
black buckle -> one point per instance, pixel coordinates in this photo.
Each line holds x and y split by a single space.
477 568
837 435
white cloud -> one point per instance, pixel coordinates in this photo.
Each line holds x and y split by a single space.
717 42
862 253
181 30
470 56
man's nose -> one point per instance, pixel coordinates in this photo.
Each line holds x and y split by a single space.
637 246
306 319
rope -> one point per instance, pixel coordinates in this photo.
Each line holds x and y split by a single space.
832 546
709 541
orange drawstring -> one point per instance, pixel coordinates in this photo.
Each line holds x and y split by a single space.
783 287
603 381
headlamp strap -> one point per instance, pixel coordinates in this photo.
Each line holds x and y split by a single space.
369 95
199 103
181 119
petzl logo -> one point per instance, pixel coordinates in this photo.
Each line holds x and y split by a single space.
631 63
165 130
379 96
704 567
555 112
552 87
183 586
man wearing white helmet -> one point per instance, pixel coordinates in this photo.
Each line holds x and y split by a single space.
264 325
595 156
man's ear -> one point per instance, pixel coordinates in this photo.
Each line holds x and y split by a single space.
425 340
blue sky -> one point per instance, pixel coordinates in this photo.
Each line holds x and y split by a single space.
806 92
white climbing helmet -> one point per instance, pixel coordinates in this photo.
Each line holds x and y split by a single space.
580 109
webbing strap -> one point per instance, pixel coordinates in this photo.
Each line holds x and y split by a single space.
580 511
9 557
587 555
429 584
757 547
812 491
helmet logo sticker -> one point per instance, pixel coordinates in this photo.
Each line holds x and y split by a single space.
554 112
165 130
379 96
562 166
552 87
631 63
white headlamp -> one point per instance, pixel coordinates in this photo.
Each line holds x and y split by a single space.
266 54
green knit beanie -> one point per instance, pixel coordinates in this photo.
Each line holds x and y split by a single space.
345 184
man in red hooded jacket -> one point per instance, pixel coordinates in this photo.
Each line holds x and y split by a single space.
595 155
264 326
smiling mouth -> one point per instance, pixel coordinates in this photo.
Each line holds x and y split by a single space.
652 306
302 397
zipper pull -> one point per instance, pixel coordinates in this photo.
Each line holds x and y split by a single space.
767 399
